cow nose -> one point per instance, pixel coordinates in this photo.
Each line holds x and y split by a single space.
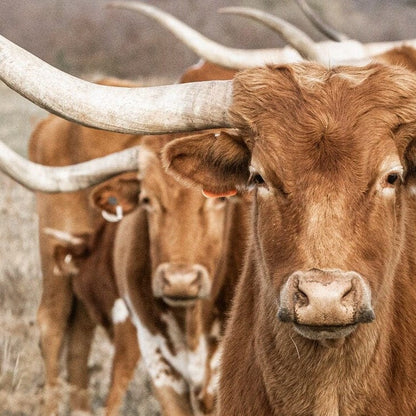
179 283
325 298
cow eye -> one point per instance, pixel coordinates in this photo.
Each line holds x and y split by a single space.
256 179
145 201
392 179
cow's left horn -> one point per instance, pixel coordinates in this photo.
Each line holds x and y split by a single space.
149 110
37 177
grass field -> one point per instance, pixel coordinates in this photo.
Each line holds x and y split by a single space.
21 367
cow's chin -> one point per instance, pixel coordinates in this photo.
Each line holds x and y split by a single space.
180 302
329 336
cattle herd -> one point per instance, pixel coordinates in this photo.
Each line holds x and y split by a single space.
248 233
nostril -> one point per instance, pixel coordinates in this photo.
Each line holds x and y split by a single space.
366 316
301 298
346 295
165 280
197 279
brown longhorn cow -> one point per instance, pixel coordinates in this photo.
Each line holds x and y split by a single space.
63 305
177 259
57 142
322 321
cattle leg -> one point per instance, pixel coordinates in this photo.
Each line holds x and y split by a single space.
126 356
80 336
53 314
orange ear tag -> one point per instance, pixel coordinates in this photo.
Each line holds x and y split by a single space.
208 194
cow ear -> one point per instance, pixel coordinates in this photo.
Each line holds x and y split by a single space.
218 162
121 191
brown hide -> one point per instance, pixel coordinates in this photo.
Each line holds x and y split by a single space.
206 71
332 164
175 224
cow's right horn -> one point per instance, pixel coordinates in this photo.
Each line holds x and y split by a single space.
37 177
149 110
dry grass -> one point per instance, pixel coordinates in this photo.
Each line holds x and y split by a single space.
21 367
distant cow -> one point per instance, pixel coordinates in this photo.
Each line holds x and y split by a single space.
177 259
87 261
57 142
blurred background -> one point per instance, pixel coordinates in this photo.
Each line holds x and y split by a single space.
84 37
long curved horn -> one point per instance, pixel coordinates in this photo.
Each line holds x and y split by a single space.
290 33
149 110
207 49
323 27
331 53
71 178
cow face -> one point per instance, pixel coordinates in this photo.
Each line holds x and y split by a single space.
185 228
329 153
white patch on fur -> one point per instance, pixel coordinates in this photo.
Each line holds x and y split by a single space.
153 348
62 235
157 354
263 192
68 258
119 312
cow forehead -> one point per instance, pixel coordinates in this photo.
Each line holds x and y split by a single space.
324 123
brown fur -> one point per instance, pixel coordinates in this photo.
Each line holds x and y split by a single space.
206 71
92 268
323 141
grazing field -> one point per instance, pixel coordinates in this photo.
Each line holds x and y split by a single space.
21 367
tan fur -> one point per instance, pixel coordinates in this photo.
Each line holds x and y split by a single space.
322 141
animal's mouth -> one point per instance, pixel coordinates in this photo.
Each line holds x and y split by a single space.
180 301
323 332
